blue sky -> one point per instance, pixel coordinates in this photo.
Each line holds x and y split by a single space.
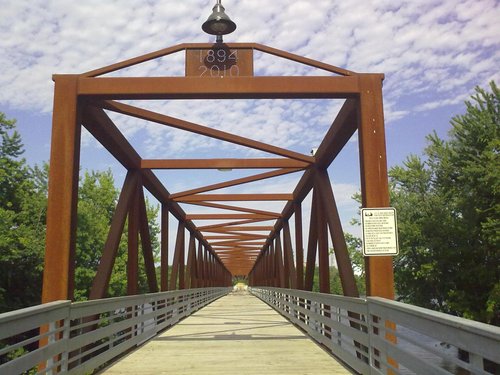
433 53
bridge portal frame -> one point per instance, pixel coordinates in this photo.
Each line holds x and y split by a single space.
80 100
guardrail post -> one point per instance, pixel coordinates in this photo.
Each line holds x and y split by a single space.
65 336
51 341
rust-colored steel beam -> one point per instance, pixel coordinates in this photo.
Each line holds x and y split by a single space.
301 59
133 245
269 215
185 46
101 280
199 266
233 243
336 138
202 130
135 60
239 229
223 163
344 265
97 122
274 276
230 223
205 266
323 258
178 253
147 249
247 235
237 259
105 131
245 260
299 246
190 266
287 247
276 87
58 275
238 237
279 264
236 182
358 89
374 183
237 253
224 216
236 249
312 244
236 197
164 248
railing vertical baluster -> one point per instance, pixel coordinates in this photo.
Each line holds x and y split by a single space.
51 341
476 361
65 336
339 320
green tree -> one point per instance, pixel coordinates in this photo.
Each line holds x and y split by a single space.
97 201
22 222
449 216
354 247
23 201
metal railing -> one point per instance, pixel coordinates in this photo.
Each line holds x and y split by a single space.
80 337
375 335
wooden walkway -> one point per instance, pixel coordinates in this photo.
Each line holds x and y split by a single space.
237 334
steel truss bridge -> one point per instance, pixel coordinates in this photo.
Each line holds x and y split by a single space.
370 335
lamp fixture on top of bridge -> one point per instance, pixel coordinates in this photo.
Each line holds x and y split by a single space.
218 23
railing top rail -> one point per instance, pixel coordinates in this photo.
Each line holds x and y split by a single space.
316 295
12 316
108 329
139 297
418 332
470 326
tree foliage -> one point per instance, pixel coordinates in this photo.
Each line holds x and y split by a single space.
449 216
22 222
23 201
96 205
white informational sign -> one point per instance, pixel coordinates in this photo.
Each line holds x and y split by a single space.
380 231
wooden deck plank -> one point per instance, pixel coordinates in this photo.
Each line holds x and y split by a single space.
237 334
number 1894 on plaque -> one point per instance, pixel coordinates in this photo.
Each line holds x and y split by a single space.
219 62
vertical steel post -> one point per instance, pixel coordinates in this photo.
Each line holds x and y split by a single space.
286 269
322 230
59 265
199 266
191 263
379 270
147 249
344 265
179 242
374 182
182 261
287 246
133 246
279 264
206 268
100 283
164 248
274 267
312 244
299 246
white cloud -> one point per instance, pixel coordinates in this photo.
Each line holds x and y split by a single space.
434 40
432 52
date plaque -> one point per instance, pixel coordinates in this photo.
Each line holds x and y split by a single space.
219 61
